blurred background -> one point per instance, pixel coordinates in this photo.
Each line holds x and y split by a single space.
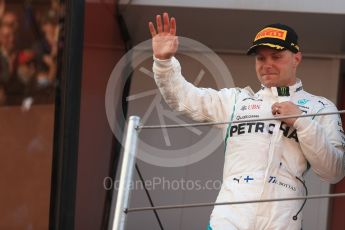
29 44
59 158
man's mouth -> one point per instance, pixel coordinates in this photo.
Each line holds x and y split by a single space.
268 74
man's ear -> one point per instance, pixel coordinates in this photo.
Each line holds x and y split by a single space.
297 58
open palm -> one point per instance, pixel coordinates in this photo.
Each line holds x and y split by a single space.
164 39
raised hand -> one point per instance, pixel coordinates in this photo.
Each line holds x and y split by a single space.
164 39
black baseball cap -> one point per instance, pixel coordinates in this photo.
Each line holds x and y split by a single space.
277 36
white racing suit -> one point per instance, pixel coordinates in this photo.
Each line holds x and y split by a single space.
264 159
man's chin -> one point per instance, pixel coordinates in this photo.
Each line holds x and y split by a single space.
268 81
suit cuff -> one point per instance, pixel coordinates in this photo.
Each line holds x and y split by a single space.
302 123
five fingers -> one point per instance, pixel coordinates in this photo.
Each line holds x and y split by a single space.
166 27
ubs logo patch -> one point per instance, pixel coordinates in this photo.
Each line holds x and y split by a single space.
253 106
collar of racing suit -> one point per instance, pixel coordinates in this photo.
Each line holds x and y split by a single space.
282 93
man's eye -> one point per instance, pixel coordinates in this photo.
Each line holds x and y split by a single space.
259 58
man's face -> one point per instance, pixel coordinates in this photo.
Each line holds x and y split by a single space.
6 38
276 68
10 19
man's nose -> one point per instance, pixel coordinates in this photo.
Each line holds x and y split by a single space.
267 63
267 66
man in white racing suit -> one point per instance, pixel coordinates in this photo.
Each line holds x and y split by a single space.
263 159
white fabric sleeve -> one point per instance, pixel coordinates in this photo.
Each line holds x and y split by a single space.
198 103
322 142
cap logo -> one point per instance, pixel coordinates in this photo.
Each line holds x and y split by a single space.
271 32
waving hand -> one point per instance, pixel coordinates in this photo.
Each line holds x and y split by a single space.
164 39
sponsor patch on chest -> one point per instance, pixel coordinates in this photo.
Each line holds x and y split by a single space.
261 127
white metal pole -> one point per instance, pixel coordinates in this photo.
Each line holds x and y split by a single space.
119 219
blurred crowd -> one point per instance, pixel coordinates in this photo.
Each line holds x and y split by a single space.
28 52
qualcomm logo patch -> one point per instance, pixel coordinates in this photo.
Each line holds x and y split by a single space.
302 101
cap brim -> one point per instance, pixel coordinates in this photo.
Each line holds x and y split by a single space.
270 45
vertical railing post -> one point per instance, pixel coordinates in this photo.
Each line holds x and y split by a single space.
117 222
